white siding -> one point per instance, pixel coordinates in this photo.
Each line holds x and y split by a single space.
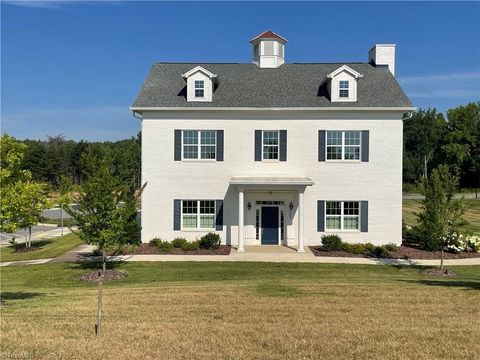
334 90
191 87
378 181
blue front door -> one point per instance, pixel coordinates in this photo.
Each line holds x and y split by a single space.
269 225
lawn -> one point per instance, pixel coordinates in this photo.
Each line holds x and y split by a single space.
472 215
242 311
49 248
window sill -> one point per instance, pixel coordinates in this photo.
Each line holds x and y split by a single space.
199 160
343 161
197 230
270 160
341 231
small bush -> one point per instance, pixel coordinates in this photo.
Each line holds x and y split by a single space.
163 246
188 246
391 247
369 248
126 249
210 241
354 248
179 242
332 242
381 251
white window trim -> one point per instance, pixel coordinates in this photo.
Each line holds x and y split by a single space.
278 146
195 89
342 202
343 146
199 147
347 88
198 216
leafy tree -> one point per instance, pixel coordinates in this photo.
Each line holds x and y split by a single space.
22 200
423 136
106 213
462 143
65 188
441 214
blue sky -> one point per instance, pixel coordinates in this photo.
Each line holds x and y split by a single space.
74 68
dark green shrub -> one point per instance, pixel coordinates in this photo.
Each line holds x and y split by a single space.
381 251
332 242
163 246
155 241
179 242
188 246
354 248
391 247
210 241
369 248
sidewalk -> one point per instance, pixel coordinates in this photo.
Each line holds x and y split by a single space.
251 254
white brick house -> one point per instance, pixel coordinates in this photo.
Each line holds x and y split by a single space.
272 153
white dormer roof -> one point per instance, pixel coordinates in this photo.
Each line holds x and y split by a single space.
343 68
197 69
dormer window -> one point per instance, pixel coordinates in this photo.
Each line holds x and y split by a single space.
343 88
199 88
200 84
342 84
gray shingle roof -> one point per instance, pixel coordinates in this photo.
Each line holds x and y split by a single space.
290 85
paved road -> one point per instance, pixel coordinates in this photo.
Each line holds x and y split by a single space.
45 231
55 213
458 196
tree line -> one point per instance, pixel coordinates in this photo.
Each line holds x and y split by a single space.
51 159
432 139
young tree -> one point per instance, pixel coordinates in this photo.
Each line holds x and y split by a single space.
106 213
22 200
441 214
65 195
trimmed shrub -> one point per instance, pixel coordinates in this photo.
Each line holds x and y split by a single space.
381 251
155 241
391 247
125 249
332 242
354 248
188 246
163 246
179 242
210 241
369 248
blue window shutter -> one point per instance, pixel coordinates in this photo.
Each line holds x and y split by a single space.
219 215
178 145
176 214
364 216
320 216
258 145
219 145
365 146
321 145
283 145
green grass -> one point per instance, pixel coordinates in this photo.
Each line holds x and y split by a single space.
472 215
242 311
49 248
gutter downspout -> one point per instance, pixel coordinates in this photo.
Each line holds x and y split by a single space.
407 116
136 116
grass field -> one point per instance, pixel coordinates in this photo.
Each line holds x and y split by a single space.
472 215
242 311
48 248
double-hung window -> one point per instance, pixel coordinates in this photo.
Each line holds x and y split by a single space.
343 89
199 144
198 214
342 215
343 145
270 145
199 88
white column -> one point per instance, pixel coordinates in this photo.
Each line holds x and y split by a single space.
240 221
300 222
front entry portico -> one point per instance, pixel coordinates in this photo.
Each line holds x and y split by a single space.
270 210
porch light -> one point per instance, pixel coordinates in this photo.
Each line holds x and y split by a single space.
249 205
291 206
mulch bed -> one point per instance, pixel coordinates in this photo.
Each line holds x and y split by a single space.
403 252
147 249
97 275
439 273
26 249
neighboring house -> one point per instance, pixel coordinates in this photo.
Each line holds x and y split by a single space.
272 153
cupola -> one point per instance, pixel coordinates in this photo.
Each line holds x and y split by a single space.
268 50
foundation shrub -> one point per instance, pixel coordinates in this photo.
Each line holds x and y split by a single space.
210 241
189 246
332 242
179 242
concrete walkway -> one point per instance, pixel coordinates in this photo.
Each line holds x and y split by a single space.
251 254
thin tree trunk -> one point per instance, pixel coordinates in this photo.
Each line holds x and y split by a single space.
29 236
98 326
441 258
104 258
